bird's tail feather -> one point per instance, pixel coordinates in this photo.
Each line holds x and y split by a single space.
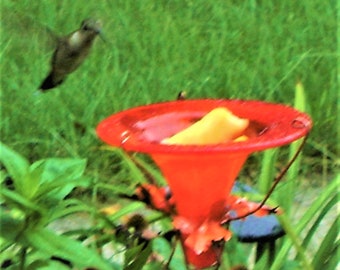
49 83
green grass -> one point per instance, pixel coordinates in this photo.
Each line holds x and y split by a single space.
211 49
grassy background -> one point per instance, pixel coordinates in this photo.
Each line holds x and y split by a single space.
216 49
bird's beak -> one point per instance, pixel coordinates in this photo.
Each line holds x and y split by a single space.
101 35
99 31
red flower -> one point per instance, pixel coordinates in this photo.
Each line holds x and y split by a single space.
199 237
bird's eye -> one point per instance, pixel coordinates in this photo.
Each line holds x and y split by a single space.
85 25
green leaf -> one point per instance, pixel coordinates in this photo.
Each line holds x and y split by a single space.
323 212
303 223
161 246
293 236
332 262
18 201
293 172
56 175
10 226
300 97
268 171
69 207
328 247
131 253
59 189
137 257
137 175
132 207
3 176
262 263
64 247
117 189
47 265
66 168
318 204
15 164
152 170
32 179
60 176
178 260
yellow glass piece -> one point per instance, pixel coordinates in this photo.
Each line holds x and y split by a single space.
217 126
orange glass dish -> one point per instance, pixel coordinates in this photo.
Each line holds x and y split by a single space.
200 177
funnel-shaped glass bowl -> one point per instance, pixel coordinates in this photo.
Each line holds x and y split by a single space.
201 177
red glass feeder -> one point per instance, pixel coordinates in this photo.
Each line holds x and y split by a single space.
201 177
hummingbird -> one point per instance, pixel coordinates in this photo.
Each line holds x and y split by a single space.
71 51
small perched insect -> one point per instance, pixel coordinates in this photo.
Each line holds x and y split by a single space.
71 51
182 95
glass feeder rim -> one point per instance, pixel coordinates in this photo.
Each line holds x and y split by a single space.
258 143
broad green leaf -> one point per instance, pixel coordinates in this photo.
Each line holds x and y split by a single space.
63 167
178 260
15 164
62 172
64 247
234 253
32 179
16 200
59 189
47 265
10 226
161 246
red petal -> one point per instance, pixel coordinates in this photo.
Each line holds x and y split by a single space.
201 239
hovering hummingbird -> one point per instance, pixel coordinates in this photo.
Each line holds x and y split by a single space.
71 51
